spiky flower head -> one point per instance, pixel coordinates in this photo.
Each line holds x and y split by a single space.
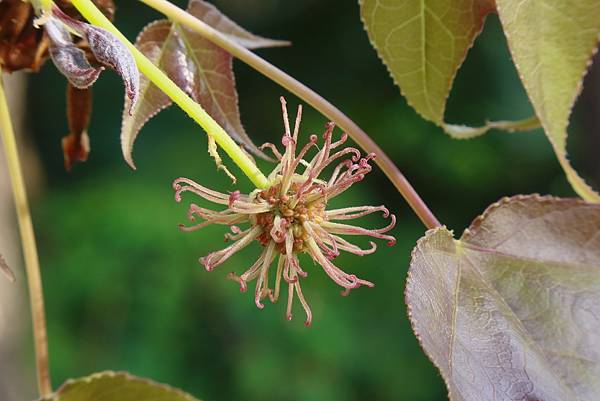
291 217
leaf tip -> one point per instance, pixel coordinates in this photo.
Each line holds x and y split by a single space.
76 148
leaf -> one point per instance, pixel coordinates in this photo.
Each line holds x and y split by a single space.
212 16
423 43
153 43
457 131
68 58
108 50
22 46
4 269
552 43
511 311
197 66
76 145
116 386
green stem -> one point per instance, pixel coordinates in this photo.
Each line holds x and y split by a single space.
32 264
193 109
308 95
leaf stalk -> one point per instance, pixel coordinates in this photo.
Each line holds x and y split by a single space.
32 264
308 95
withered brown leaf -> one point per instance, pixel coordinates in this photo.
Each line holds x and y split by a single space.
76 145
197 66
22 46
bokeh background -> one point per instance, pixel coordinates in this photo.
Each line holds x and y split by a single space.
123 287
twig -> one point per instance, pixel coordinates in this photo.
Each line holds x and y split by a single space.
32 264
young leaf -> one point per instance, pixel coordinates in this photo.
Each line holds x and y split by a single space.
213 17
552 44
511 311
5 270
108 50
196 65
152 42
116 386
76 145
423 43
68 58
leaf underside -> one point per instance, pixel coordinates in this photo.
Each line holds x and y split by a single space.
424 42
116 386
511 311
197 66
552 44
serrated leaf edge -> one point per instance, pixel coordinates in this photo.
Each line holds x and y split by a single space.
477 222
113 374
128 155
592 196
408 291
451 78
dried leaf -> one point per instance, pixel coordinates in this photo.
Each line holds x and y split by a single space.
22 46
511 311
4 269
116 386
197 66
76 145
108 50
552 43
68 58
212 16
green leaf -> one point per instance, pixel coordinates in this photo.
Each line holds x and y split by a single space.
552 43
423 43
511 311
197 66
116 386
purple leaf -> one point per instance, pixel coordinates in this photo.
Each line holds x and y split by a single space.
219 21
108 50
152 43
69 59
511 311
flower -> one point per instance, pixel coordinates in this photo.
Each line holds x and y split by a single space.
291 217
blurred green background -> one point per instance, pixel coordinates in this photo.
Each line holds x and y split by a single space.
123 286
